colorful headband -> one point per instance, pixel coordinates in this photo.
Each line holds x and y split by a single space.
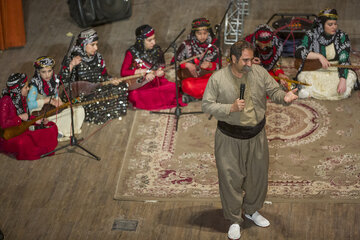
44 61
264 33
200 23
329 13
144 31
15 80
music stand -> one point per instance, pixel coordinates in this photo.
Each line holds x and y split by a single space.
73 140
177 113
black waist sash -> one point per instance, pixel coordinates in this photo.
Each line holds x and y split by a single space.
240 132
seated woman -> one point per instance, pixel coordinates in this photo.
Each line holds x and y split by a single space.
329 45
90 64
90 77
196 73
268 50
29 145
44 88
153 91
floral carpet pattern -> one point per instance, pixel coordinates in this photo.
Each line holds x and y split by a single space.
314 154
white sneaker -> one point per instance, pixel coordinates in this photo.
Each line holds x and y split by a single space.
258 219
234 232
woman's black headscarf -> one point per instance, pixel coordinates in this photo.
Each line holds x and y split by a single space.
14 84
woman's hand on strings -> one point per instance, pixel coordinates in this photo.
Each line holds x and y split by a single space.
324 62
206 65
115 81
160 72
44 120
24 116
192 69
149 77
141 71
56 102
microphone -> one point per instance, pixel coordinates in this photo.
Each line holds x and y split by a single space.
242 90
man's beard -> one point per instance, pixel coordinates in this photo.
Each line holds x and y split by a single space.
246 69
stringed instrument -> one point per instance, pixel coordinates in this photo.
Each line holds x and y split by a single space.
292 81
185 73
134 81
315 64
14 131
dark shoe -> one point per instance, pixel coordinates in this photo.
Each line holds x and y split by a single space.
187 98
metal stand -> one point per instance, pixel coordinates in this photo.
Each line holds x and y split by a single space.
177 113
73 139
234 22
218 33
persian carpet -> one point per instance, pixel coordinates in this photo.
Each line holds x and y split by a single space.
314 154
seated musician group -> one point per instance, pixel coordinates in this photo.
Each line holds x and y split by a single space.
31 144
84 70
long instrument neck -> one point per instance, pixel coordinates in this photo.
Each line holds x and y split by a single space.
122 79
345 66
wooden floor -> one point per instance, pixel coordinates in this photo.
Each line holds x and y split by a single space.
70 195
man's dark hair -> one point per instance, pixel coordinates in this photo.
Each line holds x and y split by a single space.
238 47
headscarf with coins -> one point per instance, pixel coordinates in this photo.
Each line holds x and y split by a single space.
44 88
84 38
15 83
152 56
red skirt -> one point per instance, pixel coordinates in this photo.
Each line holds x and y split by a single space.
31 144
195 87
155 95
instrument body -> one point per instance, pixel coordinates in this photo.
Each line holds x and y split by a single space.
99 112
185 73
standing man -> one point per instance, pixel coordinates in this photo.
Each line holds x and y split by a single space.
241 149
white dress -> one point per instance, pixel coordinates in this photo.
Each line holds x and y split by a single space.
324 82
